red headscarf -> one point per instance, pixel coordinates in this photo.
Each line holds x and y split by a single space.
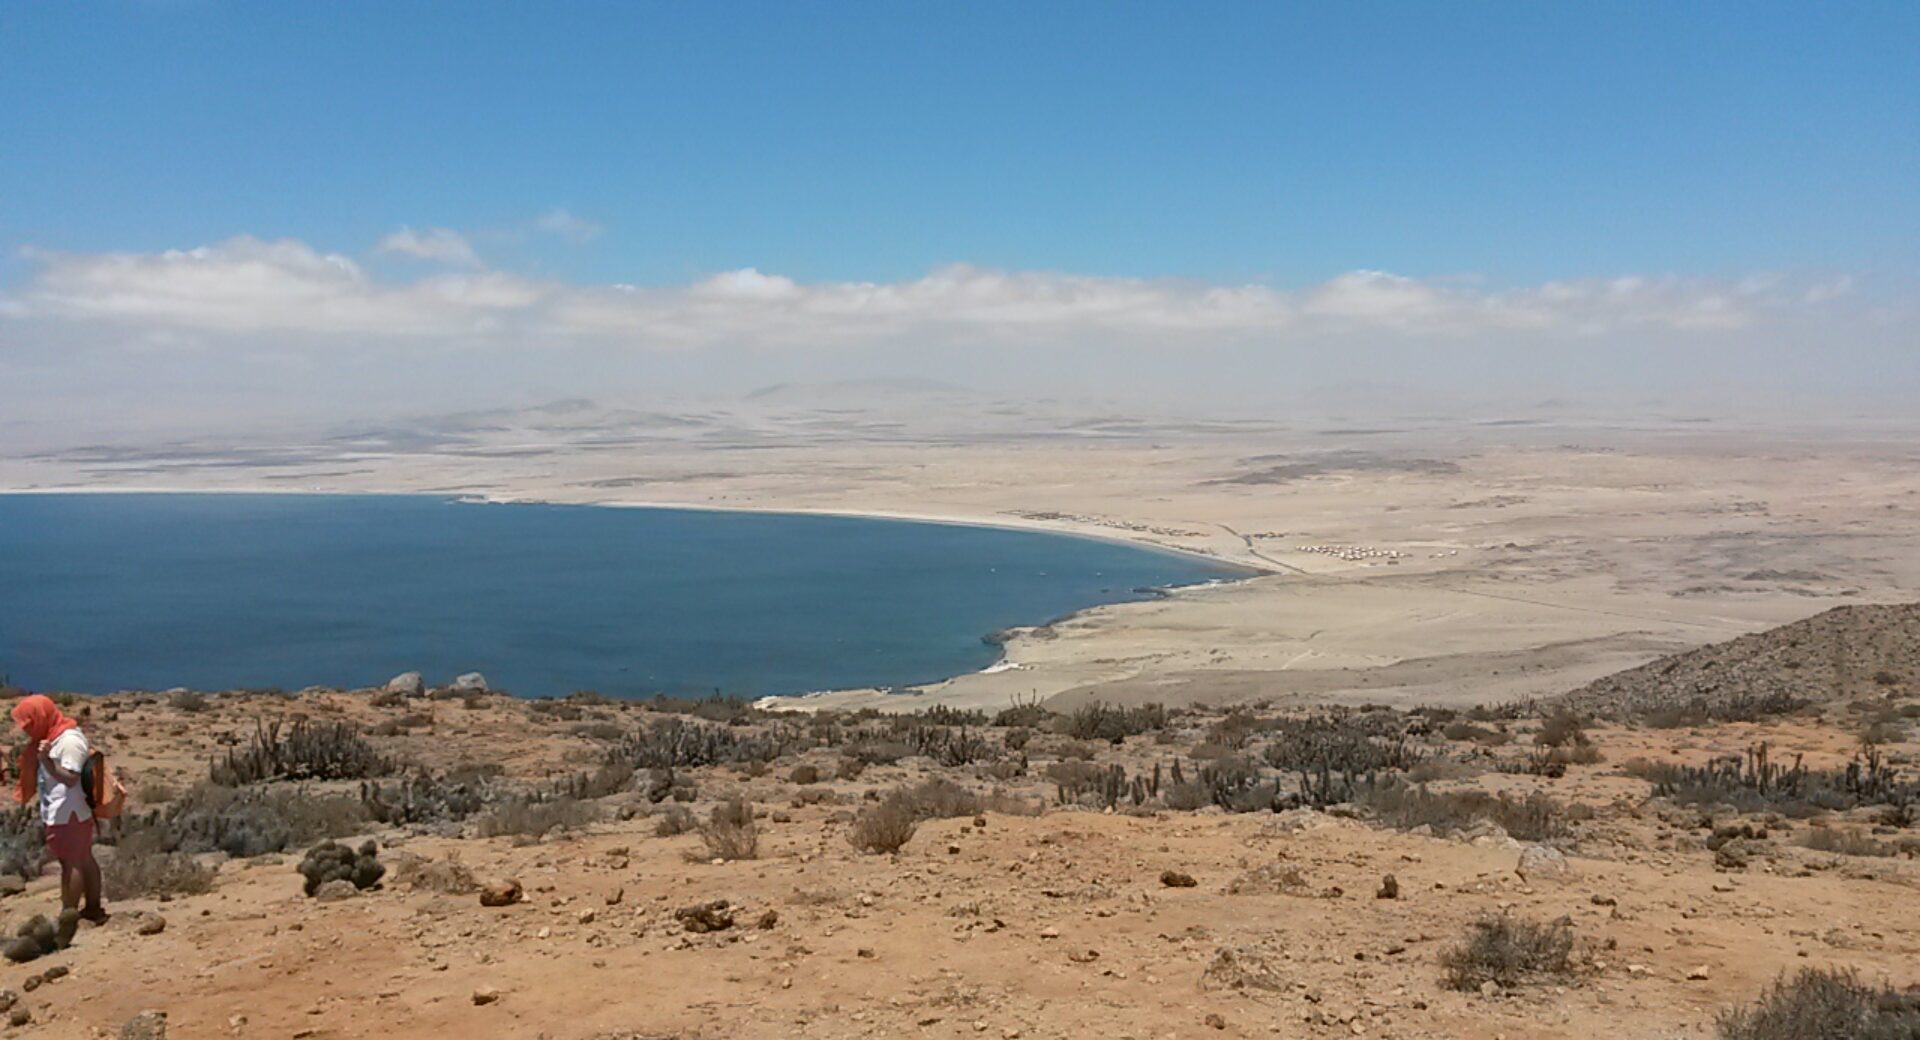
42 720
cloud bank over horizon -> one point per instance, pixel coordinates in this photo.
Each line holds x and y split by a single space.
247 314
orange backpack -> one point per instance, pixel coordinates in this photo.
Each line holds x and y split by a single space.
106 795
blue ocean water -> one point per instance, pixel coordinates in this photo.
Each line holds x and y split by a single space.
130 591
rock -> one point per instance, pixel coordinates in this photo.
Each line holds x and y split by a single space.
1599 900
68 927
150 924
1087 956
1215 1021
767 920
472 682
407 684
1489 989
8 999
1389 888
19 1016
500 893
1543 863
700 918
483 997
11 885
1242 968
147 1025
614 897
1176 879
1698 974
337 890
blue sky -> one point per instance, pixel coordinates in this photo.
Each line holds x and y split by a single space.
235 201
1520 141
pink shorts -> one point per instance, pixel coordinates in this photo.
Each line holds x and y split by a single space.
70 842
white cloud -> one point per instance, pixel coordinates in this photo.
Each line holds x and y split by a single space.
247 287
566 225
443 245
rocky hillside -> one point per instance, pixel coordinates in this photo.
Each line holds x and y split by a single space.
1844 653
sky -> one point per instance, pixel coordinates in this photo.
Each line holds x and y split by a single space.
256 208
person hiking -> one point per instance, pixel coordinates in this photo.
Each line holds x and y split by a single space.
50 769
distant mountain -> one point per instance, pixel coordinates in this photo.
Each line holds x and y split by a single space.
1842 654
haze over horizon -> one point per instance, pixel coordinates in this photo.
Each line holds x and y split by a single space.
220 215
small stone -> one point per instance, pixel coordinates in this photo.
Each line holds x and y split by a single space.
1049 932
1215 1021
865 953
1389 888
1177 879
150 924
767 920
19 1016
1489 988
1698 974
483 997
1083 956
1542 863
500 893
614 897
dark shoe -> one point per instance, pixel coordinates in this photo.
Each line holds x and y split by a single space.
95 915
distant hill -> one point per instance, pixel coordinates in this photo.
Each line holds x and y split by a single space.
1844 653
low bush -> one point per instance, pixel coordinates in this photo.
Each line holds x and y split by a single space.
1822 1004
730 832
425 798
676 820
1562 729
599 730
1703 711
1113 723
253 821
1536 817
1755 782
304 751
1509 951
1846 842
884 827
803 774
536 818
188 701
142 868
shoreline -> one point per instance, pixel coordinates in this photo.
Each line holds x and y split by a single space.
812 698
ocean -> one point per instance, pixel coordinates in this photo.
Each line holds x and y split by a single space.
102 592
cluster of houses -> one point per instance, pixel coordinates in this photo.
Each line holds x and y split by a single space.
1356 553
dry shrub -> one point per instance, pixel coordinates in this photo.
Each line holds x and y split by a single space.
730 832
940 799
252 822
526 817
1822 1004
1508 951
305 751
804 773
143 867
1536 817
884 827
1846 842
676 820
189 701
1112 723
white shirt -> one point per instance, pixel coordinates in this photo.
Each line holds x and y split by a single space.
65 803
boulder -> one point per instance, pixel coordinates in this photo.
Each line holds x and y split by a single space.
335 891
500 893
408 684
472 682
147 1025
1543 863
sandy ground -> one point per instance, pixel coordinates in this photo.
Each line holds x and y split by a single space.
1009 926
1538 553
